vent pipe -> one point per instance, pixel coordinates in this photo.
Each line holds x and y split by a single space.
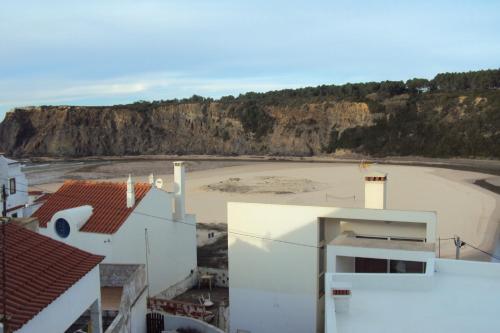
179 190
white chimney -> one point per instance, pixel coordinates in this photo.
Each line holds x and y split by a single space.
179 190
151 179
130 192
376 190
342 293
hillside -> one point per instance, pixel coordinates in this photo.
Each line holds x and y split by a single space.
453 115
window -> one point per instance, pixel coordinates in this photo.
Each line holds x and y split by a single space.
12 185
372 265
14 215
62 228
405 266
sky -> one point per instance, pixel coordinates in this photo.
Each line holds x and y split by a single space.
102 52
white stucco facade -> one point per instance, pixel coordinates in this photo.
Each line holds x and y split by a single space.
172 244
16 186
276 281
68 307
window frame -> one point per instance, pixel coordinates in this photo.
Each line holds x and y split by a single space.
12 186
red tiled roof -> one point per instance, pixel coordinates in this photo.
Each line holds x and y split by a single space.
109 201
38 270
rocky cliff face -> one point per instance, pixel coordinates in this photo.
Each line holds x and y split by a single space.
439 124
176 128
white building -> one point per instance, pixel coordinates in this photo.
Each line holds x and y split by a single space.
49 284
448 296
20 201
128 224
16 186
278 255
207 233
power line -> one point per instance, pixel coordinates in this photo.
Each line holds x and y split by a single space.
272 239
241 233
121 210
478 249
460 243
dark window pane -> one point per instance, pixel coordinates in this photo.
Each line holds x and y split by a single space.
370 265
12 185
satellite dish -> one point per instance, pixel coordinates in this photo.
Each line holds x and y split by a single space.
159 183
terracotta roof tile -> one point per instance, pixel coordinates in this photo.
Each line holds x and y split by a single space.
38 270
109 202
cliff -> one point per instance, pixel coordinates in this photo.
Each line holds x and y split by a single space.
184 128
387 118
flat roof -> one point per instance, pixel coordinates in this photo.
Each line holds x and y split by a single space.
350 239
464 297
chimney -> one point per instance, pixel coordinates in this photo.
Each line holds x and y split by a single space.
376 190
179 190
130 192
341 293
151 179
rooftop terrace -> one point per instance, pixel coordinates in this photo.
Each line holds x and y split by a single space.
462 296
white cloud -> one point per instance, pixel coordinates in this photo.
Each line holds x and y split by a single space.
144 86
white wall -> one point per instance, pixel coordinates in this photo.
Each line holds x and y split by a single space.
377 253
273 286
67 308
172 245
344 264
20 198
275 283
138 314
375 194
91 242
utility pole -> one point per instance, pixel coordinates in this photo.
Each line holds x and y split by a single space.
458 245
4 201
4 220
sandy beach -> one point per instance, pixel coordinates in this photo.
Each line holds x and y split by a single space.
463 208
